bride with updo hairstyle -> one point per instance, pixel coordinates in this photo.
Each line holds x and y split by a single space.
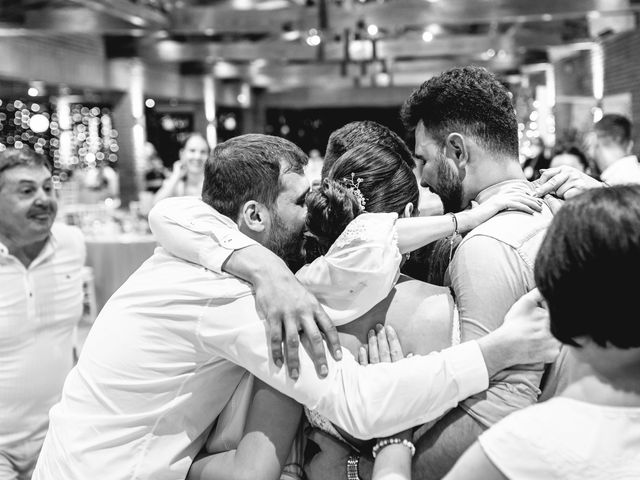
373 174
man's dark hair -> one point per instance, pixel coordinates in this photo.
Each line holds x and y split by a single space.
363 132
614 127
246 168
468 100
18 157
590 251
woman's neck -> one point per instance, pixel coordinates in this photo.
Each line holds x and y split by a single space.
590 386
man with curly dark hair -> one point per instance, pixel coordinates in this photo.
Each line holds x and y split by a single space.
466 138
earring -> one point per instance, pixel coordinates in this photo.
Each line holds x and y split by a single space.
407 256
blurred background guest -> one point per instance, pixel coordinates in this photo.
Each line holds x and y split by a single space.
188 170
156 172
98 183
610 146
313 169
571 156
40 306
536 159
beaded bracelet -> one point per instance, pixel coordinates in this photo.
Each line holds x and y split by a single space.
392 441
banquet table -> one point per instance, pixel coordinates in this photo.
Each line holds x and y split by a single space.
113 259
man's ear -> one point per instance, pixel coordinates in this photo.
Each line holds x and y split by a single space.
255 216
456 148
408 210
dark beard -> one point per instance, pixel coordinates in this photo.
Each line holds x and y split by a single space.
449 187
286 243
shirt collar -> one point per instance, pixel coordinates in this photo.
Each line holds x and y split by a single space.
492 190
47 250
621 165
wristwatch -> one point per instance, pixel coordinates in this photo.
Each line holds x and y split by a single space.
353 472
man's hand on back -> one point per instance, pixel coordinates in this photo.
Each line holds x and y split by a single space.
523 338
287 307
290 310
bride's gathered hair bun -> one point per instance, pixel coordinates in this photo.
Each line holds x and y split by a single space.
330 208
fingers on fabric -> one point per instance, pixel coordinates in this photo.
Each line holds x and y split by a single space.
291 343
330 332
275 331
374 356
548 182
395 349
383 344
314 344
363 356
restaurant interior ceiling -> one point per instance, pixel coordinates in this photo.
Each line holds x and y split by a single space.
284 44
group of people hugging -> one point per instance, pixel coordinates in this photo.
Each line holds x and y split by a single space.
215 361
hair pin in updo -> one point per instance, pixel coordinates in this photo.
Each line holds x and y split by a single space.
353 184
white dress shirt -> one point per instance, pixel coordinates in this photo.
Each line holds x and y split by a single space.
40 307
625 170
169 349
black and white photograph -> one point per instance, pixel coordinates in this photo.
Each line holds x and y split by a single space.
319 239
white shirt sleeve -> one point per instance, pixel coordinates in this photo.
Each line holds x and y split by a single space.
192 230
372 401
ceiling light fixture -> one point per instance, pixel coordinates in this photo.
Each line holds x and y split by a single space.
314 38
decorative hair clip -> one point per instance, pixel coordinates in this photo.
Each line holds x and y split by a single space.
354 185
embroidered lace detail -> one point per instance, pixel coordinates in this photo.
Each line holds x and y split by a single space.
318 421
365 228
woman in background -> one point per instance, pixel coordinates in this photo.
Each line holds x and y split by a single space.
570 155
188 171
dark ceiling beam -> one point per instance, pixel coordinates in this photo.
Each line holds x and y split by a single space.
459 12
76 20
329 76
130 12
390 14
298 51
211 19
241 51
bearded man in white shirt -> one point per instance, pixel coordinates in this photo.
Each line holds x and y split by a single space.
40 306
164 357
611 147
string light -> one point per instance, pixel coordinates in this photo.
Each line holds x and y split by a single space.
72 136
